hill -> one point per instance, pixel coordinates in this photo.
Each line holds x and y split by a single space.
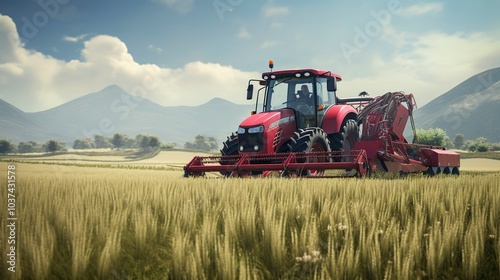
470 108
19 126
113 110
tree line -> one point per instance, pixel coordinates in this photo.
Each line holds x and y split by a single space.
433 136
117 141
438 137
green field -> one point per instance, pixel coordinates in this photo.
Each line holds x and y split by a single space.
118 223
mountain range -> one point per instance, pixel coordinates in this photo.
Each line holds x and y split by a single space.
113 110
469 108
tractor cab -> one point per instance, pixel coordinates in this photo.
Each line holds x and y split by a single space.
309 92
305 91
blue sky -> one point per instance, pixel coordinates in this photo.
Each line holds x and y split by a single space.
187 52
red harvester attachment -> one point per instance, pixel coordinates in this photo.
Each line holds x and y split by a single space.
285 164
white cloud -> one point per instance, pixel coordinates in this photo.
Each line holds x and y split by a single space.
74 39
270 10
244 34
155 48
427 64
33 81
180 6
269 44
421 9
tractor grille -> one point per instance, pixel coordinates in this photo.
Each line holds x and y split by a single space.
277 138
250 142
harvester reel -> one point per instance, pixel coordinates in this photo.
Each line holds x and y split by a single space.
310 140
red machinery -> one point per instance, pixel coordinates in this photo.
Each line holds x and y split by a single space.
304 129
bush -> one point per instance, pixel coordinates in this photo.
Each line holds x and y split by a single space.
482 147
432 136
480 144
495 147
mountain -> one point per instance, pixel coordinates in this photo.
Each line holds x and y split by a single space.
19 126
105 112
113 110
470 108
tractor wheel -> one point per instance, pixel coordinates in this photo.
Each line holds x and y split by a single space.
230 148
344 140
310 140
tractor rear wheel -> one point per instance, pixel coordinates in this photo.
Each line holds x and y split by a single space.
308 140
230 148
348 135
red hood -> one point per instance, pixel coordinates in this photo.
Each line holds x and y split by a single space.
267 118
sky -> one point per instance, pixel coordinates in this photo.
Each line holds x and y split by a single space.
186 52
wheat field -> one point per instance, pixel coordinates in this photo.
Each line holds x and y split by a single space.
110 223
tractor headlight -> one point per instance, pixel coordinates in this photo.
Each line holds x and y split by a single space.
241 130
257 129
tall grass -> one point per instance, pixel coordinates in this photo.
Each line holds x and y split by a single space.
83 223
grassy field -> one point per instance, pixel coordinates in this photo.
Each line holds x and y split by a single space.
81 222
489 155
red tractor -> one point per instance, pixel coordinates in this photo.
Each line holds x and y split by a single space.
303 128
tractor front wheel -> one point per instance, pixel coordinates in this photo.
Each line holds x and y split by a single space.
230 148
310 140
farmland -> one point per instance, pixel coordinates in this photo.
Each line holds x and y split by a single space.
78 219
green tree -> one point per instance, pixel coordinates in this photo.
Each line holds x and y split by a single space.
102 142
481 140
6 146
27 147
167 146
54 146
202 143
118 140
483 147
129 143
480 144
212 142
83 143
154 142
459 140
432 136
148 141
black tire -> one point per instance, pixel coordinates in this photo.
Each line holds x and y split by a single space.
348 135
230 148
311 139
